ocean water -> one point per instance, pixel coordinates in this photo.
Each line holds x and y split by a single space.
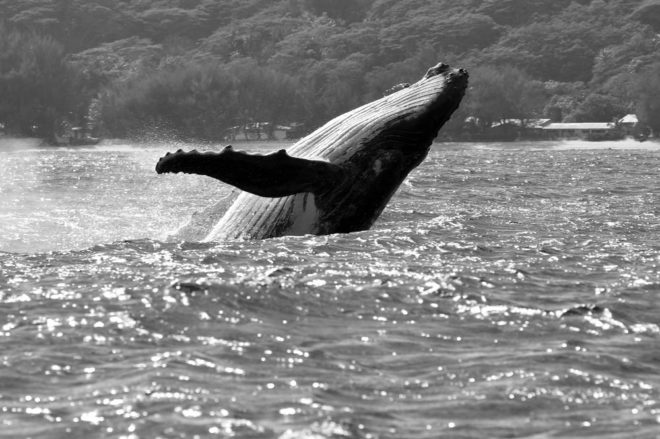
508 290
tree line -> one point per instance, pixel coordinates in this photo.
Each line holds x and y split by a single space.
194 68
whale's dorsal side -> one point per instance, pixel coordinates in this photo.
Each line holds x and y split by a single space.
273 175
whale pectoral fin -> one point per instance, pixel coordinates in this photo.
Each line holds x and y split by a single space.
272 175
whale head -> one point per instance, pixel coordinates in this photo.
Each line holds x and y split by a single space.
378 145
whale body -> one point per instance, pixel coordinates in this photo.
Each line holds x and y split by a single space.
339 178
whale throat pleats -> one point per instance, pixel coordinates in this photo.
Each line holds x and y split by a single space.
272 175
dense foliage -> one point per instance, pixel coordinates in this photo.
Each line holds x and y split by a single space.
194 68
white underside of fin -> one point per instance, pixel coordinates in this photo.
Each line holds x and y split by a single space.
304 215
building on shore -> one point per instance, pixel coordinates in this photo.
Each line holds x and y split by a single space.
583 130
545 129
264 131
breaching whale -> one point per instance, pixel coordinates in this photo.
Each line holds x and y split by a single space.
339 178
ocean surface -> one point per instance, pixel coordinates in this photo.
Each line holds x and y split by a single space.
508 290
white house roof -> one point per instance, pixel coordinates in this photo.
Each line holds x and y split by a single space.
580 126
629 119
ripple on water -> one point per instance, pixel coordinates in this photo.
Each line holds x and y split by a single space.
502 293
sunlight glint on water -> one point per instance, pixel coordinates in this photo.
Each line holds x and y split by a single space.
507 290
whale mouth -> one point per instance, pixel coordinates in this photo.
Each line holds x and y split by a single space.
448 99
446 83
435 97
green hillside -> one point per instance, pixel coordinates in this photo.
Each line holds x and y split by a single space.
193 68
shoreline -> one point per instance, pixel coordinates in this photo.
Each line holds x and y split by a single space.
8 143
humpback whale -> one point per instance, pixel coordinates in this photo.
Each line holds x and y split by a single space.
339 178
